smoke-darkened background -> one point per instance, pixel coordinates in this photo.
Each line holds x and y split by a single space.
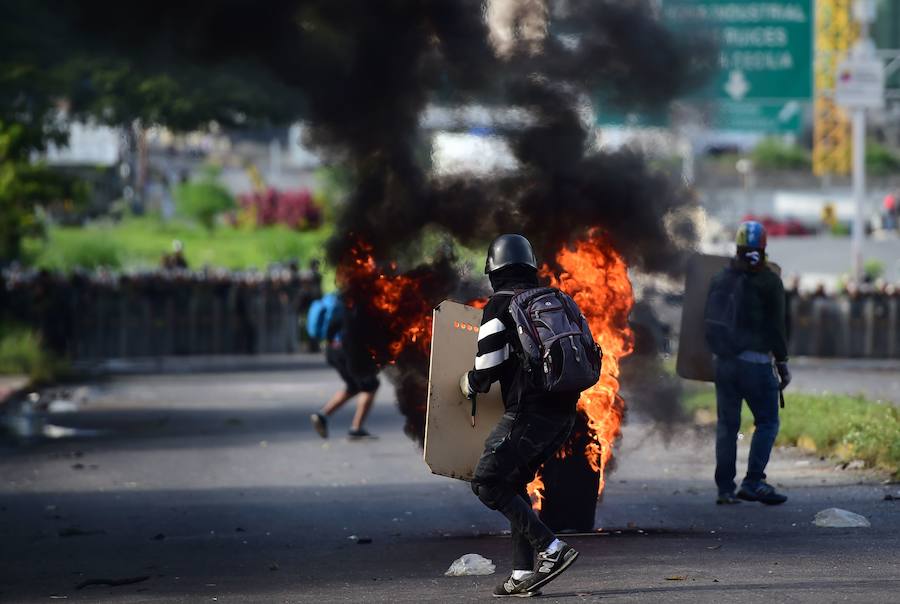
362 73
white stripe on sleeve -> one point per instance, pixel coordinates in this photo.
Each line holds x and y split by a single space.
492 359
490 328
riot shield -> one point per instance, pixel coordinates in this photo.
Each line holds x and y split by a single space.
452 444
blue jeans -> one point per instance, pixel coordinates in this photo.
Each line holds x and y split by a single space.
736 381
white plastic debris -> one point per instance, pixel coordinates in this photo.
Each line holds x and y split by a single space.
838 518
470 564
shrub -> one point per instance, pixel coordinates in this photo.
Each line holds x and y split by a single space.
880 160
873 269
204 199
293 209
773 154
21 353
64 252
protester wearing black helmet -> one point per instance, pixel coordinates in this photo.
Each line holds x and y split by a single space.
533 427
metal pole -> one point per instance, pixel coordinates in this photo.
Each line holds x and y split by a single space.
859 191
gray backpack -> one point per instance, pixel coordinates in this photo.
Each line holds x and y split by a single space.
558 351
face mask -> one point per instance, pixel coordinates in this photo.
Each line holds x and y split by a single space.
753 258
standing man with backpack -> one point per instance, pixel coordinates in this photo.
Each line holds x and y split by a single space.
745 329
326 321
536 342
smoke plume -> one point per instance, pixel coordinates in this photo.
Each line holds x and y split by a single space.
616 51
366 70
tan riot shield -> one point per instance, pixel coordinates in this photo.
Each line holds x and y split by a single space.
452 444
695 361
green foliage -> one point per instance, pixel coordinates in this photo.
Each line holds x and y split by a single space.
141 243
774 154
21 353
840 229
873 269
332 185
845 426
23 187
881 161
63 253
204 199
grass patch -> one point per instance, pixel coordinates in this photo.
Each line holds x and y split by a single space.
139 243
843 426
21 353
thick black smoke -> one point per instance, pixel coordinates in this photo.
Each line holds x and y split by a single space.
618 51
366 70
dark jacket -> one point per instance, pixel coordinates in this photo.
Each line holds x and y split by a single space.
763 311
497 345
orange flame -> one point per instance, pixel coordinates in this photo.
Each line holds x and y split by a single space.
398 298
592 272
596 277
402 306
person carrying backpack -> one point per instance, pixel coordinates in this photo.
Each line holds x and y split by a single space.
745 328
327 321
536 343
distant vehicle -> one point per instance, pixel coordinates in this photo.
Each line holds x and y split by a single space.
780 228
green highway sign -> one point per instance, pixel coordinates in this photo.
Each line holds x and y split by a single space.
765 47
769 117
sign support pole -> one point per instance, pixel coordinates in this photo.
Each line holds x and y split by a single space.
859 191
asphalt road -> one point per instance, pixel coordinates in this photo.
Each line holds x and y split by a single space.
213 487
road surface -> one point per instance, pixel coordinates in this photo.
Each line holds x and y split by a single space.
213 487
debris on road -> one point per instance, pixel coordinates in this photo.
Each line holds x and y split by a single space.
892 496
158 537
838 518
470 564
112 582
676 578
360 540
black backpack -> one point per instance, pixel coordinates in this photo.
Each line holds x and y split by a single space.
557 349
724 320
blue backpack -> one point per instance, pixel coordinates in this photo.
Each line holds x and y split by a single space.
320 314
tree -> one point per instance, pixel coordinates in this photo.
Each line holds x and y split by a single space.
23 186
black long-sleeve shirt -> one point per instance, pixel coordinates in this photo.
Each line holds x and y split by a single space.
765 313
497 360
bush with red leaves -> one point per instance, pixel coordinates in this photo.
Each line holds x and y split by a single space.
294 209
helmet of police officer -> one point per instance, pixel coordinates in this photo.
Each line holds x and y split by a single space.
507 250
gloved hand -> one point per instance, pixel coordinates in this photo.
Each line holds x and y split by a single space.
784 374
464 386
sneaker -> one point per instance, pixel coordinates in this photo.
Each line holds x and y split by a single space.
514 589
762 492
360 434
727 499
550 566
320 423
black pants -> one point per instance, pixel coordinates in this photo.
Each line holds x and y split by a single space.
354 380
513 452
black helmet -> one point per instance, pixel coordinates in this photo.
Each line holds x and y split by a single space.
509 249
